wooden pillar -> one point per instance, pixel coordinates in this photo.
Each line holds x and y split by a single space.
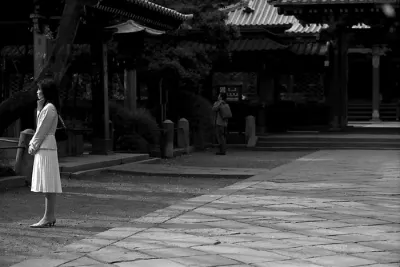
375 83
266 95
344 68
338 85
130 84
3 88
101 142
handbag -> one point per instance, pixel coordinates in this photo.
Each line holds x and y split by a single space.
61 133
225 111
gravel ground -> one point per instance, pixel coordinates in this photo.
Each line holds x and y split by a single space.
88 206
94 204
238 159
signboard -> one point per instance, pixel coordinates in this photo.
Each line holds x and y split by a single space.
233 92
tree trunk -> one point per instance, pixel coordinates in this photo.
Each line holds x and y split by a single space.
58 63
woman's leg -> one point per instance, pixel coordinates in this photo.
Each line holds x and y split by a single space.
49 216
50 203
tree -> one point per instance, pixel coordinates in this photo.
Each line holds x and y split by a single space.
58 63
180 64
172 56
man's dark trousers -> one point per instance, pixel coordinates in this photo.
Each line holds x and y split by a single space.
221 138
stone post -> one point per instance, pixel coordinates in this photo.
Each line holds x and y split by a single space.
101 142
168 139
183 134
251 138
24 161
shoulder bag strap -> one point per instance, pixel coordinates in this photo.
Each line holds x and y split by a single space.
62 122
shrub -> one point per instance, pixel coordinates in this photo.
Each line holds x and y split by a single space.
197 110
134 130
5 167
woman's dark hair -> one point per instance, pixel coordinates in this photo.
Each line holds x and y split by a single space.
50 93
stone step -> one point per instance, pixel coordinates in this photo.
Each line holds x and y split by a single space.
370 104
369 112
359 116
368 118
392 145
306 148
392 138
332 141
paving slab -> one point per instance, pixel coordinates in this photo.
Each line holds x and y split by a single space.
330 208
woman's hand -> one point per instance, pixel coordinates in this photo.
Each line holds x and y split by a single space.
31 150
40 104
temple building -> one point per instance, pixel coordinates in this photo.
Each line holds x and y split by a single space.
311 66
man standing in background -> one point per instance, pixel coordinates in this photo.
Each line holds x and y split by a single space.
222 114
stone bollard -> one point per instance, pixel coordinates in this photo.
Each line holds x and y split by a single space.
183 134
168 139
251 137
24 161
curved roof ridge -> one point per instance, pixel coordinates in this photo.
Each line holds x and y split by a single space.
262 13
231 7
150 6
313 28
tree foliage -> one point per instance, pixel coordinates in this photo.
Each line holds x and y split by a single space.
187 54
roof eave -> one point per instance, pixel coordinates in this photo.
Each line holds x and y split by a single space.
262 28
164 18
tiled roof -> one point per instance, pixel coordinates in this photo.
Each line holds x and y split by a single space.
130 27
242 45
328 2
309 49
361 26
163 10
297 28
159 9
264 14
259 44
254 45
261 13
231 7
257 13
132 9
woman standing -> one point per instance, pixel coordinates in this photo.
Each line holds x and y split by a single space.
46 172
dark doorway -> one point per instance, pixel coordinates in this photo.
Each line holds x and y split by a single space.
360 78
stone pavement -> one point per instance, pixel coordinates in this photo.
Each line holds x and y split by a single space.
185 171
331 208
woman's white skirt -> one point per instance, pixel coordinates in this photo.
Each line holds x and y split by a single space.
46 172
